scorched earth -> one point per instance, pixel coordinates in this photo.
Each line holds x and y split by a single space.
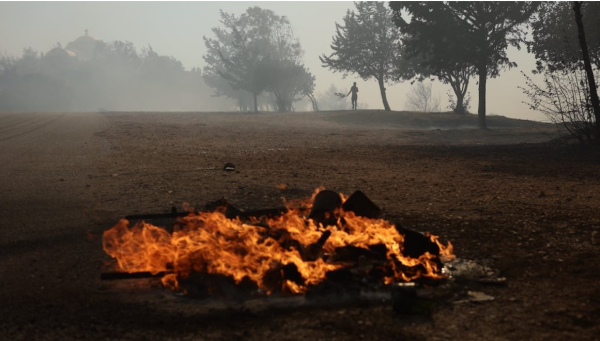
507 196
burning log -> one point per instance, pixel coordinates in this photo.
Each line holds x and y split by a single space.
315 250
275 278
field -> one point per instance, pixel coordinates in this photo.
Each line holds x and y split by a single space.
509 195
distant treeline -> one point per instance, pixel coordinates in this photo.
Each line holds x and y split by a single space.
101 76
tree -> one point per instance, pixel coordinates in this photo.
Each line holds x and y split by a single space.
223 45
113 77
366 44
433 48
257 52
485 28
567 56
289 82
420 98
587 65
556 46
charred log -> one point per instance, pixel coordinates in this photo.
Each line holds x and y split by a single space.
416 243
275 278
353 254
314 251
325 205
362 206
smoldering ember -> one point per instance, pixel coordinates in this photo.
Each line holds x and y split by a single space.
299 171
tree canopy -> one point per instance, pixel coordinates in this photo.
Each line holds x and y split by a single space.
434 48
257 52
483 31
556 46
367 44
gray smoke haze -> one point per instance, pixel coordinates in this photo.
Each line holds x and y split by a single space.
167 80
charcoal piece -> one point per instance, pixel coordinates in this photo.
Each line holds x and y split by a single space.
221 205
204 285
380 250
362 206
324 206
276 276
351 253
416 243
314 251
342 275
229 167
378 273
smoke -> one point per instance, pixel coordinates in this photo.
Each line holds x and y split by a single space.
92 75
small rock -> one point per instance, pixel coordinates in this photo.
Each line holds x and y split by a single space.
229 167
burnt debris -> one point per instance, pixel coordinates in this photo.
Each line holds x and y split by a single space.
359 266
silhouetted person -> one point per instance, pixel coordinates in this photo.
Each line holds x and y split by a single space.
354 91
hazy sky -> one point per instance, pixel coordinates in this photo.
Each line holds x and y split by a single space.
176 29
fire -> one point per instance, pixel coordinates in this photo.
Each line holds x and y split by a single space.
265 248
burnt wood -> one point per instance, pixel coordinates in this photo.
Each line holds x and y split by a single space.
324 207
362 206
416 243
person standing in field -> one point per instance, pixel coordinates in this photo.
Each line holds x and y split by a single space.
354 91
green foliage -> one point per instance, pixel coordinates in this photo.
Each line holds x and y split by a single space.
479 31
556 46
256 52
433 45
367 44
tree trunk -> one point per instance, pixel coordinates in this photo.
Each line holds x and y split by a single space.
313 100
482 84
588 67
460 106
255 104
386 106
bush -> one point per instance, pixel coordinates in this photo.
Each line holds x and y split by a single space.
565 100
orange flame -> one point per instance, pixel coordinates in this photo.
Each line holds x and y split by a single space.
211 243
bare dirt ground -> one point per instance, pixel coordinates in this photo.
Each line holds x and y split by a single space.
505 195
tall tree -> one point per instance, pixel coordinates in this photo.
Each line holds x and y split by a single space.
587 65
366 44
433 48
289 82
487 28
256 52
556 46
222 44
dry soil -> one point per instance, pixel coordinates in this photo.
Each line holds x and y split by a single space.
507 195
